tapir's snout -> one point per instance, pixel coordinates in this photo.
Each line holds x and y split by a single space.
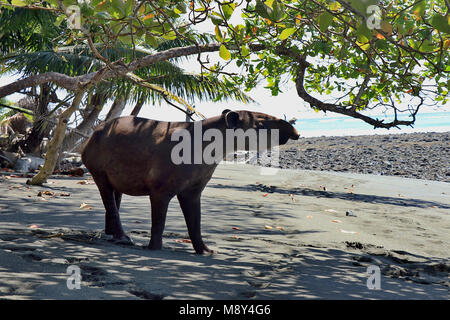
295 135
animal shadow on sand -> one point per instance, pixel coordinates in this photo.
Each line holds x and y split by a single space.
337 195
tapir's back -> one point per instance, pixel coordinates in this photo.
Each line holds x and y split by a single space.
128 137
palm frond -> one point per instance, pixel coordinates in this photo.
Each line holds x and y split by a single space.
28 50
27 30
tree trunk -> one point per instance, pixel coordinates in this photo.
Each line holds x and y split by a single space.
116 109
54 145
86 126
137 108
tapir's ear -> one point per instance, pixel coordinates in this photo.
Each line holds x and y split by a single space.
232 119
226 111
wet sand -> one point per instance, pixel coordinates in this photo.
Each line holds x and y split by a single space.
298 234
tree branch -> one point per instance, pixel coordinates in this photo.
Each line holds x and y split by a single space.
303 64
113 70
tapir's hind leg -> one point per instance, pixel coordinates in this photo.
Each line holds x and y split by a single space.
159 204
111 200
190 205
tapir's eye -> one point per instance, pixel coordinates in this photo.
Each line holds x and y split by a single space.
260 125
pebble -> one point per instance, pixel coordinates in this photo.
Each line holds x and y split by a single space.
412 155
350 214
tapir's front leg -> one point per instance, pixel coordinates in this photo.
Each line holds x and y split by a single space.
159 204
190 204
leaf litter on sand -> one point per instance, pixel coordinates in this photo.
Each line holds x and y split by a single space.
349 232
183 241
83 182
292 197
85 206
46 193
267 227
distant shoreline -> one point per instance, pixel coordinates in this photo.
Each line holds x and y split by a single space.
411 155
334 125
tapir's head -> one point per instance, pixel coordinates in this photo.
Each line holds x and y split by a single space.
256 120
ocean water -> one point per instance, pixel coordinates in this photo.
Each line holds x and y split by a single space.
346 126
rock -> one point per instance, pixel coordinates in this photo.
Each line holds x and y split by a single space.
28 163
416 155
10 157
350 214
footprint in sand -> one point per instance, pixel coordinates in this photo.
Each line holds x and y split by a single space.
257 279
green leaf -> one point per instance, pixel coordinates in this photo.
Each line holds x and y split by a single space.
228 10
382 44
219 35
129 7
125 39
441 23
334 6
363 46
94 3
325 20
68 3
117 8
279 11
272 10
362 5
59 20
181 6
19 3
419 9
286 33
262 9
427 45
171 35
151 40
245 51
224 53
216 20
362 30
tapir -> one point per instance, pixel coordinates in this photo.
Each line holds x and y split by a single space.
132 155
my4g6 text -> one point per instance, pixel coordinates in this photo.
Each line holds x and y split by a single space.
242 309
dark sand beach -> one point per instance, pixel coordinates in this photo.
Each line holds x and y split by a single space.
278 233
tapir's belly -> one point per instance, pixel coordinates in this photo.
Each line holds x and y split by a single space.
135 175
147 174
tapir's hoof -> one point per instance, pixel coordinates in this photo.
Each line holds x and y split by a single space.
157 245
204 250
122 240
